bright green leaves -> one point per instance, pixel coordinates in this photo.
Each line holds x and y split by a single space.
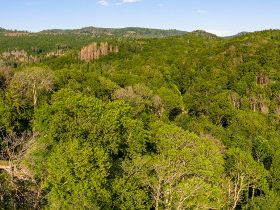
77 176
99 156
172 100
85 138
129 193
181 172
275 171
24 90
98 145
247 176
87 118
68 116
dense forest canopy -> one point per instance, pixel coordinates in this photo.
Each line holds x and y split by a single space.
156 120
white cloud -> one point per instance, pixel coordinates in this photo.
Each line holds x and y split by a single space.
103 2
201 11
127 2
117 2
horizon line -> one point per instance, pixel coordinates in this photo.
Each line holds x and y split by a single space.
165 29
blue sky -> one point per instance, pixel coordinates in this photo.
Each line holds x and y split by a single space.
223 17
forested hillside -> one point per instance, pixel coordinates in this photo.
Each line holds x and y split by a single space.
130 32
116 122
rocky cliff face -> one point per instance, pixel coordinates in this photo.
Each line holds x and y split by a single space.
57 53
19 55
95 51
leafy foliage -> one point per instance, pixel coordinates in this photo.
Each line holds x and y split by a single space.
184 122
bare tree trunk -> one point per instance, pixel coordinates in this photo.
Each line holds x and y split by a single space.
157 197
238 188
34 91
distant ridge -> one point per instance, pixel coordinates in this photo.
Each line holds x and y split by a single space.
9 30
118 32
129 32
238 35
2 29
204 34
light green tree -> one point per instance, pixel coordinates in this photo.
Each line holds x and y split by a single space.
185 172
31 83
245 173
82 141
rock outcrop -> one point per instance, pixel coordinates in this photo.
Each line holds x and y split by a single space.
95 51
19 55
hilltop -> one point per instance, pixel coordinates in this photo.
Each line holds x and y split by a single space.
135 32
